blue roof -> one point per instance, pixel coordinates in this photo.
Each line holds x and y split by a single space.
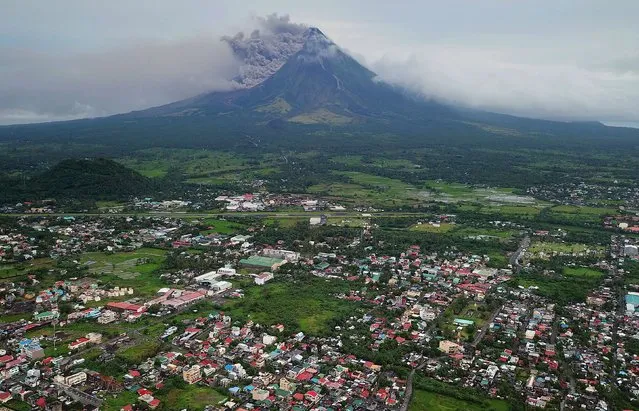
632 299
228 367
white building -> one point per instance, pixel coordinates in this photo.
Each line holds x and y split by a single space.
287 255
75 379
221 285
262 278
631 250
107 317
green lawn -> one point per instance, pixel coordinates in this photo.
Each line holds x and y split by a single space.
430 401
582 272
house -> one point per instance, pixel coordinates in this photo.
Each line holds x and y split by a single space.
5 397
192 375
261 262
107 317
46 316
449 347
262 278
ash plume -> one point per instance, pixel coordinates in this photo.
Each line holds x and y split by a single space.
266 49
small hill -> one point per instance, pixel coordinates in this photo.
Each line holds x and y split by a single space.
97 178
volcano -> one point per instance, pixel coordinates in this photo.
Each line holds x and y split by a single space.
317 95
320 84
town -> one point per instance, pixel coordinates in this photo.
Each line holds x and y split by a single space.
304 311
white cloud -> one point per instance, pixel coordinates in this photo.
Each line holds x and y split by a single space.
495 80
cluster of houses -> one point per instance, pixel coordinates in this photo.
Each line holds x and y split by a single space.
265 367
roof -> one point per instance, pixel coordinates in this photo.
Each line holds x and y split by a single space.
261 261
124 306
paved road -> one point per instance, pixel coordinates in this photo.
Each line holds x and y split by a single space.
484 329
409 388
270 214
514 259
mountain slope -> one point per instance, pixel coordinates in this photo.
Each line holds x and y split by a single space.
319 84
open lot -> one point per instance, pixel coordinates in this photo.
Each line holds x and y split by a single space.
307 306
548 247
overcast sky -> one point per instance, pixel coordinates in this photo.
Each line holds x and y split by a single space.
561 59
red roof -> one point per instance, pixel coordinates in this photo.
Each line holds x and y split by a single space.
124 306
305 376
6 358
144 391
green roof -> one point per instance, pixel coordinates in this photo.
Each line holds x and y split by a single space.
461 321
322 266
259 261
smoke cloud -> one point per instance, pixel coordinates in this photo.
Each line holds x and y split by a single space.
266 49
37 87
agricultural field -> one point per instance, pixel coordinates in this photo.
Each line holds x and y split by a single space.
9 272
125 265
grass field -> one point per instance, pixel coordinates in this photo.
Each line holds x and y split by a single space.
307 306
582 272
139 352
284 222
429 228
192 397
570 209
548 247
222 226
504 234
430 401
